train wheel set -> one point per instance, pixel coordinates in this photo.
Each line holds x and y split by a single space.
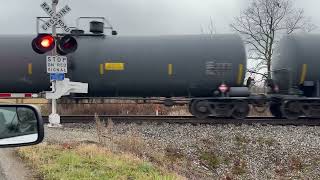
238 109
289 108
295 108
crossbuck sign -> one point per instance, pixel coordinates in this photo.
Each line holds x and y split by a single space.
56 18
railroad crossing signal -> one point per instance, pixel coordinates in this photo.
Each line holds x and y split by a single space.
46 42
57 65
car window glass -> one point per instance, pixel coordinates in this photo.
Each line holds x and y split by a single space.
16 122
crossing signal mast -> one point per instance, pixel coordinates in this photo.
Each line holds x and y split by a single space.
58 45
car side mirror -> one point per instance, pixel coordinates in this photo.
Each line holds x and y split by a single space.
20 125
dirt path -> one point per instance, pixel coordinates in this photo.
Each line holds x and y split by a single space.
11 167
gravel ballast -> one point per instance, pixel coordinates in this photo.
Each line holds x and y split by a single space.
216 151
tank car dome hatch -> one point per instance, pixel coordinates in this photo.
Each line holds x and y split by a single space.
96 27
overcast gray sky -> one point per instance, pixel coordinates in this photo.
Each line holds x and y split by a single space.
139 17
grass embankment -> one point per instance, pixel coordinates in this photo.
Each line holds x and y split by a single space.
88 162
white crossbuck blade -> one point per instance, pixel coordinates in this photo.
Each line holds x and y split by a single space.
55 18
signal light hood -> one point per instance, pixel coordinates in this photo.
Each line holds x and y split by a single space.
67 44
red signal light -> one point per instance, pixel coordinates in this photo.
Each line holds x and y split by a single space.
46 41
43 43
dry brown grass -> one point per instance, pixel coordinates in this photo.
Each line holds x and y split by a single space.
169 158
99 129
118 107
113 109
133 109
25 101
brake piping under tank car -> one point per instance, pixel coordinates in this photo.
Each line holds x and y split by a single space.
295 80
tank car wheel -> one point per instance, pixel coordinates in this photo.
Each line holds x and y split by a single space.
291 110
199 108
241 110
275 109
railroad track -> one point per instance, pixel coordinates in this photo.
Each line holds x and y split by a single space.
187 119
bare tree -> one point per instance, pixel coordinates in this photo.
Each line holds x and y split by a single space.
261 26
212 27
212 30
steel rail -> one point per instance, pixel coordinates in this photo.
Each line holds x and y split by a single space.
187 119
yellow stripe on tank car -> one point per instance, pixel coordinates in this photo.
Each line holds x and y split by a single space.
170 69
101 69
30 69
240 74
303 73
